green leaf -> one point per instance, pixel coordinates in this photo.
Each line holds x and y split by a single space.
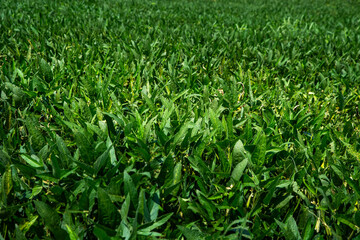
341 100
51 219
45 70
177 177
47 176
110 123
179 136
166 168
252 100
19 235
27 225
354 185
4 158
36 137
7 183
292 228
271 191
65 173
154 205
284 202
101 233
108 214
50 216
163 219
109 145
72 234
347 222
63 150
316 123
239 170
101 160
31 161
308 231
130 188
35 191
125 208
88 169
258 156
190 234
149 102
337 171
357 218
207 204
199 165
224 160
142 207
239 152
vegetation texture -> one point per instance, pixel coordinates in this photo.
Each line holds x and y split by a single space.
183 119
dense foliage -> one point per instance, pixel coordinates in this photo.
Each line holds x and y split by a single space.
183 119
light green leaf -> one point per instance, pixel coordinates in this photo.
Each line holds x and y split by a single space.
163 219
72 234
35 191
239 152
293 228
27 225
31 161
239 170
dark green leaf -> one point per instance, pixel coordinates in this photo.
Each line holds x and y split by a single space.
51 219
108 214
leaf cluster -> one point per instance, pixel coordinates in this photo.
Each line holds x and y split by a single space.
179 119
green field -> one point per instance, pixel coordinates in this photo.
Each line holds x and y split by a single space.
183 119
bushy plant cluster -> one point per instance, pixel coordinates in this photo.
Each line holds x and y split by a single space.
182 119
